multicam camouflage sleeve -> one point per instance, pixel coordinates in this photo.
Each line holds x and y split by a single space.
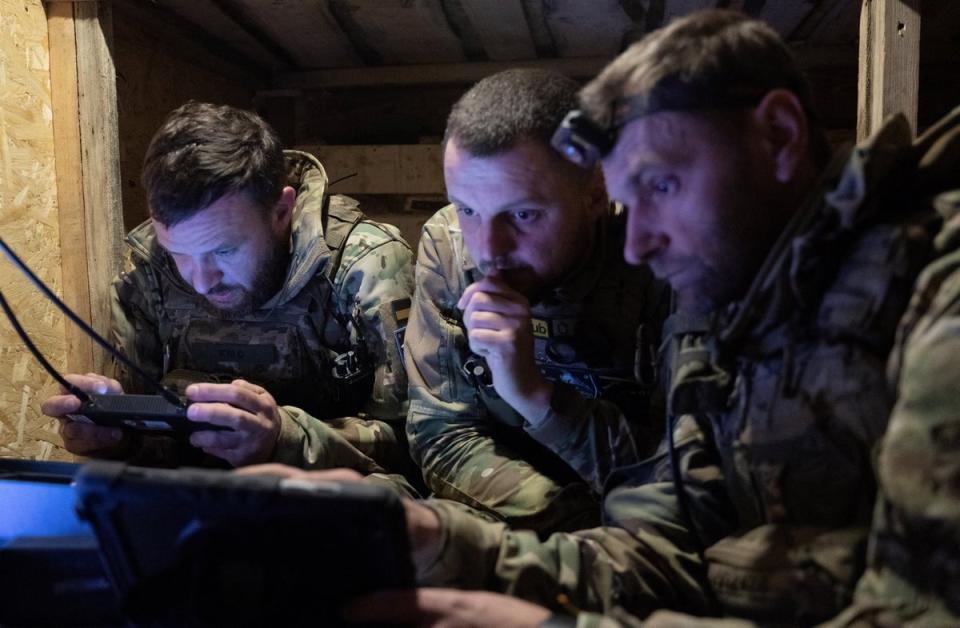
913 569
452 435
374 286
643 560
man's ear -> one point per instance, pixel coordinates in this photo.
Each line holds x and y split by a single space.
282 214
784 129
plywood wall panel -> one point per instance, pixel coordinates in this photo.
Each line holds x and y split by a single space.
29 224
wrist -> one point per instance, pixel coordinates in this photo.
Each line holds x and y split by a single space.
425 532
535 403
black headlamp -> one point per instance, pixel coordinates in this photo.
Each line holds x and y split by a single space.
581 140
585 141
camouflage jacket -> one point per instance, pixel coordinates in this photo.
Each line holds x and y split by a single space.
592 335
325 345
790 393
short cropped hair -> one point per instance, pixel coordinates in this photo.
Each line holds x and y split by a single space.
510 106
711 52
203 152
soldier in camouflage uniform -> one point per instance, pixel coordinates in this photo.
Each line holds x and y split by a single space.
318 325
530 249
786 366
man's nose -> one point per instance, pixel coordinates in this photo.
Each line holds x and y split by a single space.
493 241
642 241
205 276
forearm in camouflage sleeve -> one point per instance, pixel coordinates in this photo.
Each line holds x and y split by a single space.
597 569
590 435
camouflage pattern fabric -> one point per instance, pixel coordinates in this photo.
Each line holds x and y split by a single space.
778 472
325 345
475 448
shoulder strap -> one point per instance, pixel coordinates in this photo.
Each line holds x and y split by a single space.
341 214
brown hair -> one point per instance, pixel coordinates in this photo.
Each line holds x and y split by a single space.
710 53
203 152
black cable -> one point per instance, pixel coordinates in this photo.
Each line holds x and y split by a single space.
712 602
167 394
36 352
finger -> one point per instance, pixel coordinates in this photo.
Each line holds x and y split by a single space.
82 437
93 383
214 442
272 468
254 388
238 396
492 341
222 414
491 320
60 405
348 476
488 302
494 284
406 606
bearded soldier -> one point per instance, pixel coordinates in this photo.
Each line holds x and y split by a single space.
251 285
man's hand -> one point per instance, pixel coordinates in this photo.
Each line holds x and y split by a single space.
499 328
247 409
445 607
86 439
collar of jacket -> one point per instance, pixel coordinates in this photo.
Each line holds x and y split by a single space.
309 251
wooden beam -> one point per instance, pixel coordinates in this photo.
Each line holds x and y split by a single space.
69 172
100 161
889 63
383 169
502 28
430 74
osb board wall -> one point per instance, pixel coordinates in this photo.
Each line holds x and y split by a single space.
28 223
154 76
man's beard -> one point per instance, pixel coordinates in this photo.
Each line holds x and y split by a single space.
266 283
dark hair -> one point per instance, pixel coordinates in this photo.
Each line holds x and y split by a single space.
711 52
203 152
508 107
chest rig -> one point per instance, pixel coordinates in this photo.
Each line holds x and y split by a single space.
790 383
309 351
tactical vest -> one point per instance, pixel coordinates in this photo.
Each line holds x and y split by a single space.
306 352
790 386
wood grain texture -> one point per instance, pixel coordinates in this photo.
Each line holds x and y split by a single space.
502 27
888 82
29 224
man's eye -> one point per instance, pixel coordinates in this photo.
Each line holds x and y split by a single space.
225 252
663 185
466 211
526 215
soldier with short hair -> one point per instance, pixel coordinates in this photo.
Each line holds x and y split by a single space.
252 286
820 301
527 329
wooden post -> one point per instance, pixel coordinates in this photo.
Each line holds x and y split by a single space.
83 85
889 63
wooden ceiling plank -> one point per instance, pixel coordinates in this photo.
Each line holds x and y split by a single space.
404 31
785 15
211 19
502 28
678 8
306 30
431 74
831 22
588 28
